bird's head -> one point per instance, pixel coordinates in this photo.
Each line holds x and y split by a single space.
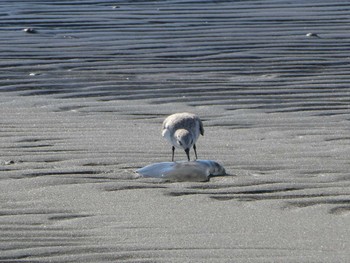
184 139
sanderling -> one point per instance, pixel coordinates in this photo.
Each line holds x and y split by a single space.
182 131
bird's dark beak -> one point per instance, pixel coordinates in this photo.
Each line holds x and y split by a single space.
187 151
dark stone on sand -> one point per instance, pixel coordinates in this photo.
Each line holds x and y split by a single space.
312 35
30 30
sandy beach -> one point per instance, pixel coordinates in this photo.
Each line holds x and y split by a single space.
83 96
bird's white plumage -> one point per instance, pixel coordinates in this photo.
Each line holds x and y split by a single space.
182 130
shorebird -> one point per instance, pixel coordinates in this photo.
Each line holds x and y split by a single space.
182 131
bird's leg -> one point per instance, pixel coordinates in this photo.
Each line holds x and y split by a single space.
172 158
195 151
187 151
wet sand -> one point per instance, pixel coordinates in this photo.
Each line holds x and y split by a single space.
83 98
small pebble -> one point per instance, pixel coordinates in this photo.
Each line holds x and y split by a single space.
312 35
69 37
29 30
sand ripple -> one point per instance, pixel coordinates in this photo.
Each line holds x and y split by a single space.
83 96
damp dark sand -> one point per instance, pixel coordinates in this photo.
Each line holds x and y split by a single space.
82 99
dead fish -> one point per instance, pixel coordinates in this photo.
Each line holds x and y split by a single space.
195 171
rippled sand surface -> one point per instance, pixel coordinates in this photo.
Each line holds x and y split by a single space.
82 99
